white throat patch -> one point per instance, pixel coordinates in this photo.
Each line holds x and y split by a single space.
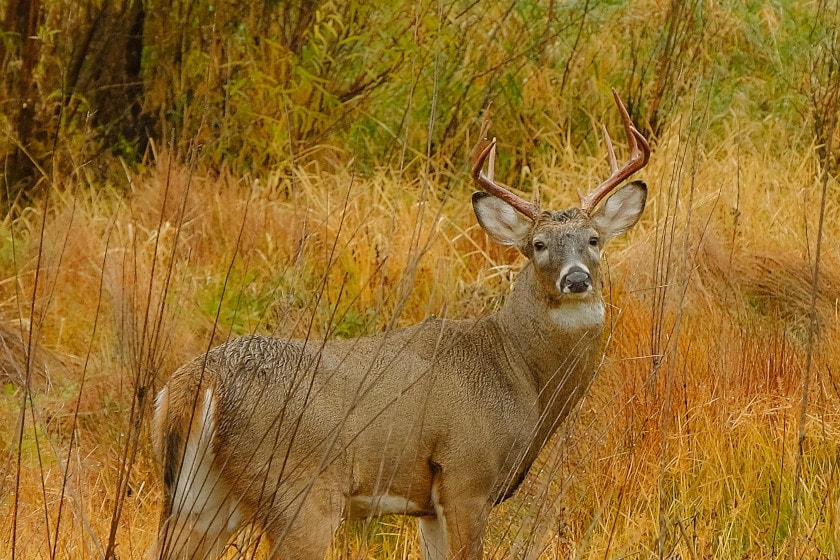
579 315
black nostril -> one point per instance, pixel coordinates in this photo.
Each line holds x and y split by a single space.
577 281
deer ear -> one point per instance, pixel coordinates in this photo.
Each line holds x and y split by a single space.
501 222
621 211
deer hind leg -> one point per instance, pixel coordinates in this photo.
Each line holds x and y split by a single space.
304 528
200 515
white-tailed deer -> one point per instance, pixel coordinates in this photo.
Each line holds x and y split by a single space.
440 420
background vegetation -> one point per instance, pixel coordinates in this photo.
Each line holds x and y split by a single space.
176 173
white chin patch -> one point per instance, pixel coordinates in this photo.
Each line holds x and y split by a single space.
579 315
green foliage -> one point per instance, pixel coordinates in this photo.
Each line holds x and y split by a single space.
348 324
8 243
262 88
243 303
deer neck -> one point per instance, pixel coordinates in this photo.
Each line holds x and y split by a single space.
556 343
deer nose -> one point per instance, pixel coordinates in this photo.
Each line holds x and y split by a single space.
576 281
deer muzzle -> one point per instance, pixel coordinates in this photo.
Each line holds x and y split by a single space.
576 281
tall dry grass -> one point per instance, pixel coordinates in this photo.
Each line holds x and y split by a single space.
687 445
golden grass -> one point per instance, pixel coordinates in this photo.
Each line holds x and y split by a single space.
686 447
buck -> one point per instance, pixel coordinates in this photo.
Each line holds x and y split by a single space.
440 420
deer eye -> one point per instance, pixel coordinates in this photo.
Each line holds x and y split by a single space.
594 240
539 245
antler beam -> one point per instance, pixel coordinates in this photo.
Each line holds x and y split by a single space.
639 156
485 150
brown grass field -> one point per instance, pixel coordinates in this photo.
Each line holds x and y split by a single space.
711 431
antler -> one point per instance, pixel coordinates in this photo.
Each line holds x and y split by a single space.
639 156
485 150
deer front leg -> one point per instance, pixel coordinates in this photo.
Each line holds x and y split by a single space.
433 538
456 532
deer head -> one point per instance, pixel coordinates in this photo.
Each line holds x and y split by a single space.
565 246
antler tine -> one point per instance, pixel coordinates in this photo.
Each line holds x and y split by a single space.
639 156
485 151
610 149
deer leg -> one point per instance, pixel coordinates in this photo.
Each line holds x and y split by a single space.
456 532
433 538
308 526
465 529
455 535
200 526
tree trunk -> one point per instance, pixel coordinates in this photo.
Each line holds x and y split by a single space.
20 173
